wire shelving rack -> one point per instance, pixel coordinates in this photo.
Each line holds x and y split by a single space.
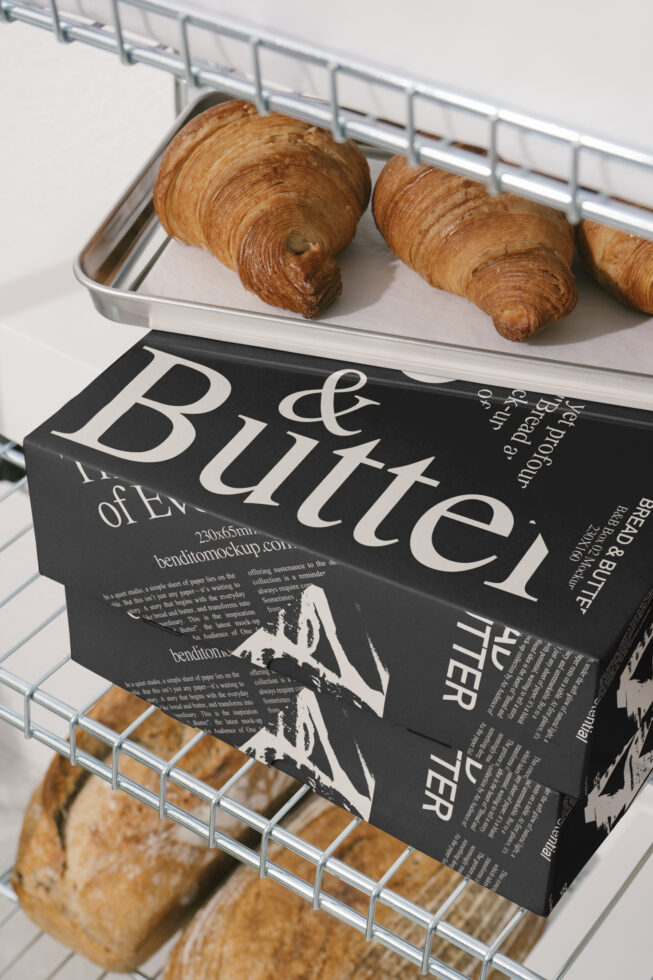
116 35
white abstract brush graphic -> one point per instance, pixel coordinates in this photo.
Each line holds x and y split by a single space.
298 641
605 804
296 744
635 694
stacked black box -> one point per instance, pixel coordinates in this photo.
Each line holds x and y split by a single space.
480 565
510 833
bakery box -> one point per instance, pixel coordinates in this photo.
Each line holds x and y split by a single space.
511 834
478 560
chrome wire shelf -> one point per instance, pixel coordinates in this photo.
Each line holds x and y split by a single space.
404 136
56 727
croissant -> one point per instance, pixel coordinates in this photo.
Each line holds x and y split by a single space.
621 263
269 196
509 256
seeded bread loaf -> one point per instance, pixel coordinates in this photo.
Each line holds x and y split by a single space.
99 870
258 930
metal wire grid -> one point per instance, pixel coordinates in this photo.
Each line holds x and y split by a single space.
487 955
565 195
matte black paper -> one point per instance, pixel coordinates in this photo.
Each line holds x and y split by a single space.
479 560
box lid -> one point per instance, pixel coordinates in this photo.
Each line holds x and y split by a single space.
531 509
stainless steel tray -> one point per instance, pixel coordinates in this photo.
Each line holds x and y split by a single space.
587 360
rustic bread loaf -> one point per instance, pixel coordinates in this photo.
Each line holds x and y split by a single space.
100 871
258 930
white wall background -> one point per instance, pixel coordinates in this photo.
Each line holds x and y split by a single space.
76 125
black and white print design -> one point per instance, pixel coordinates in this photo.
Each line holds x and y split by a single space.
300 742
635 692
297 638
618 786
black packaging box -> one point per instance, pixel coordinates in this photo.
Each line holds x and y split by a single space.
510 833
492 547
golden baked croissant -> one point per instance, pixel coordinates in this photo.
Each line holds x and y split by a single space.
509 256
621 263
269 196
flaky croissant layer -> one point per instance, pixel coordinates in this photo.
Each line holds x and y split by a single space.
509 256
621 263
269 196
